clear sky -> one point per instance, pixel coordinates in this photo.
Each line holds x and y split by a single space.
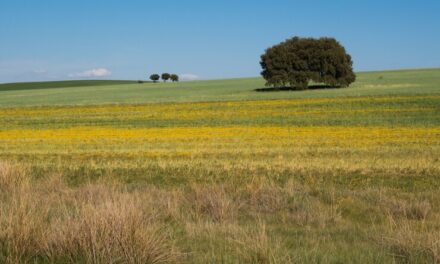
77 39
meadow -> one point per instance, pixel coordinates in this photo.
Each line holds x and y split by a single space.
215 172
410 82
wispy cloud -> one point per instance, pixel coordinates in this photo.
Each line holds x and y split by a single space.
99 72
189 77
40 71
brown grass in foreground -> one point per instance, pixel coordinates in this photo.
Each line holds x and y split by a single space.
51 223
47 221
412 243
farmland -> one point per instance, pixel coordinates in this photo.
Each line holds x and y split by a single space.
368 84
213 171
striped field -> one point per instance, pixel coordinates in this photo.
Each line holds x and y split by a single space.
327 176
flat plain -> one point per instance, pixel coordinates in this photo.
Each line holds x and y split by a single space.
216 172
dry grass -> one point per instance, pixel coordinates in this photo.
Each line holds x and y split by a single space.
12 178
213 203
94 224
47 221
412 243
254 245
238 244
416 210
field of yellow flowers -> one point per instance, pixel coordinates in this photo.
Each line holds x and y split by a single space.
346 179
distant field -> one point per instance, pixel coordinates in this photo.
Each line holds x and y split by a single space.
368 84
214 172
57 85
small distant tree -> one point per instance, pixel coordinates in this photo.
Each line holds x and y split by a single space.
166 76
297 61
174 77
155 77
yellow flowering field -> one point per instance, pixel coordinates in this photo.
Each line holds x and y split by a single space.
336 130
27 140
268 181
228 110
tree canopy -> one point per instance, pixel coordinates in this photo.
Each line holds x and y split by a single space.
166 76
155 77
174 77
297 61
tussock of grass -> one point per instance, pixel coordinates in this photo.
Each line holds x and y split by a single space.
212 203
411 242
256 246
94 224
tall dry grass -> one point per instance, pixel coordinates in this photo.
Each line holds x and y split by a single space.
49 222
411 243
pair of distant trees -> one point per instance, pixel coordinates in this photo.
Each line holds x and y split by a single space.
165 77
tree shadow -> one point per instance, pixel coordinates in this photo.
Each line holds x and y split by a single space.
310 87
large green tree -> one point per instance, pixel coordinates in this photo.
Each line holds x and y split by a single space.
297 61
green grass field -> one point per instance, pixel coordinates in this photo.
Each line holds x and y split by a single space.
58 84
215 172
59 93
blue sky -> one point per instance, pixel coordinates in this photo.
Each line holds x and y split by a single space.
77 39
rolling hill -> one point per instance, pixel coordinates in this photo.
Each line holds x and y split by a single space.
424 81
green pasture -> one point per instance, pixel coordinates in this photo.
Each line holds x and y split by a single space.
405 82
